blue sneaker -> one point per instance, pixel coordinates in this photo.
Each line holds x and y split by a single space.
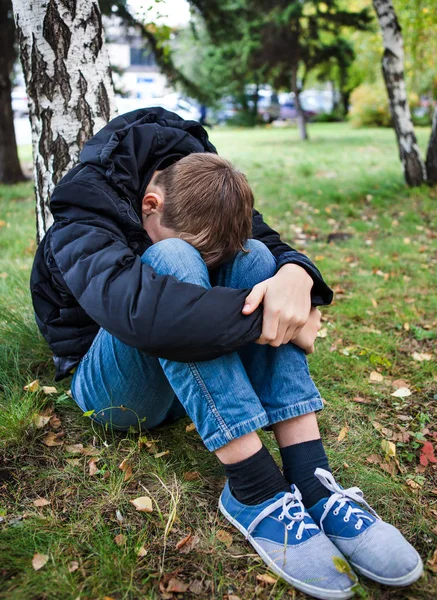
374 548
291 544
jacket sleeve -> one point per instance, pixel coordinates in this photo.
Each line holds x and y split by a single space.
283 253
157 314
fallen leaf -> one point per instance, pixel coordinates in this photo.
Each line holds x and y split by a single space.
190 427
187 544
390 468
161 454
233 597
375 377
183 541
225 537
126 467
389 448
176 586
52 439
412 484
141 552
120 539
40 502
74 448
196 587
427 454
421 356
90 451
265 578
343 433
143 504
41 421
322 333
399 383
361 400
39 560
432 562
55 422
49 389
191 475
32 387
402 392
73 566
92 465
73 462
374 459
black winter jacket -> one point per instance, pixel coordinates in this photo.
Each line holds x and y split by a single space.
87 271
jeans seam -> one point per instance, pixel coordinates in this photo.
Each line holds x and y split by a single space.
224 428
291 410
257 419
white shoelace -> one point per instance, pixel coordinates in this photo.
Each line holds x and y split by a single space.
289 501
342 497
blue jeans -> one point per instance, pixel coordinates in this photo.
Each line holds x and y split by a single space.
226 397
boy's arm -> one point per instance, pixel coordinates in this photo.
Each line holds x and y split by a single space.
284 254
157 314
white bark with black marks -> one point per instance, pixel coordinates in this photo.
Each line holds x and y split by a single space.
431 155
69 85
393 71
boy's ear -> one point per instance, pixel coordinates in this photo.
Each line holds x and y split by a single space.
151 203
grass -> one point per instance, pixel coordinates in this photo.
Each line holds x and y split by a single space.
343 181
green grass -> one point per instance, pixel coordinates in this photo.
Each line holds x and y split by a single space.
342 181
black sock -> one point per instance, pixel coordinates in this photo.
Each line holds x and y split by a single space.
299 462
256 478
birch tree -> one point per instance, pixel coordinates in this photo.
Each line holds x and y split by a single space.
393 71
69 85
431 156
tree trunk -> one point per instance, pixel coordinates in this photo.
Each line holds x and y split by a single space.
71 96
299 110
10 169
393 71
431 155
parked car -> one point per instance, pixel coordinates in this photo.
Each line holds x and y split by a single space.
172 102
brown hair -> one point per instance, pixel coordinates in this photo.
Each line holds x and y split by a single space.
209 205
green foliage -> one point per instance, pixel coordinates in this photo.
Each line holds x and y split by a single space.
370 106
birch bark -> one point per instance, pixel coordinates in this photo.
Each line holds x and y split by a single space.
393 71
69 85
431 155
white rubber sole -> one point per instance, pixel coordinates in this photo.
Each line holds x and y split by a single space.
299 585
407 579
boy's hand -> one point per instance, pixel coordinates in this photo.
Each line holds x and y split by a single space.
287 306
306 337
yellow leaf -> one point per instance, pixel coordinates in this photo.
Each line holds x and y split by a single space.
74 448
190 427
343 567
342 433
2 223
49 389
39 502
52 439
41 421
224 537
73 566
160 454
143 504
120 539
389 448
39 560
265 578
92 464
141 552
32 387
421 356
322 333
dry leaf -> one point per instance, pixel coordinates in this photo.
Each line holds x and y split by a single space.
265 578
55 422
74 448
120 539
126 467
190 427
161 454
73 566
183 541
40 502
402 392
224 537
375 377
361 400
343 433
322 333
233 597
41 421
90 451
52 439
32 387
432 562
390 468
374 302
143 504
39 560
196 587
191 475
92 464
374 459
413 484
73 462
141 552
187 543
399 383
421 356
49 389
176 586
389 448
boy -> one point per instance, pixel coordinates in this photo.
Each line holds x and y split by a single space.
171 327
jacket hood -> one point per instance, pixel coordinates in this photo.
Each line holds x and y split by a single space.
130 147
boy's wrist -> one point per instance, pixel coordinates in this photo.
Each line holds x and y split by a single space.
294 271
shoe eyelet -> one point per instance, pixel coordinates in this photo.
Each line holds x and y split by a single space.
289 527
281 517
336 511
298 537
356 526
346 519
324 506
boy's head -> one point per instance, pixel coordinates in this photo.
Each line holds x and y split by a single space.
203 200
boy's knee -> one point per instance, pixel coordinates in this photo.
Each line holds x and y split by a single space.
174 256
259 261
